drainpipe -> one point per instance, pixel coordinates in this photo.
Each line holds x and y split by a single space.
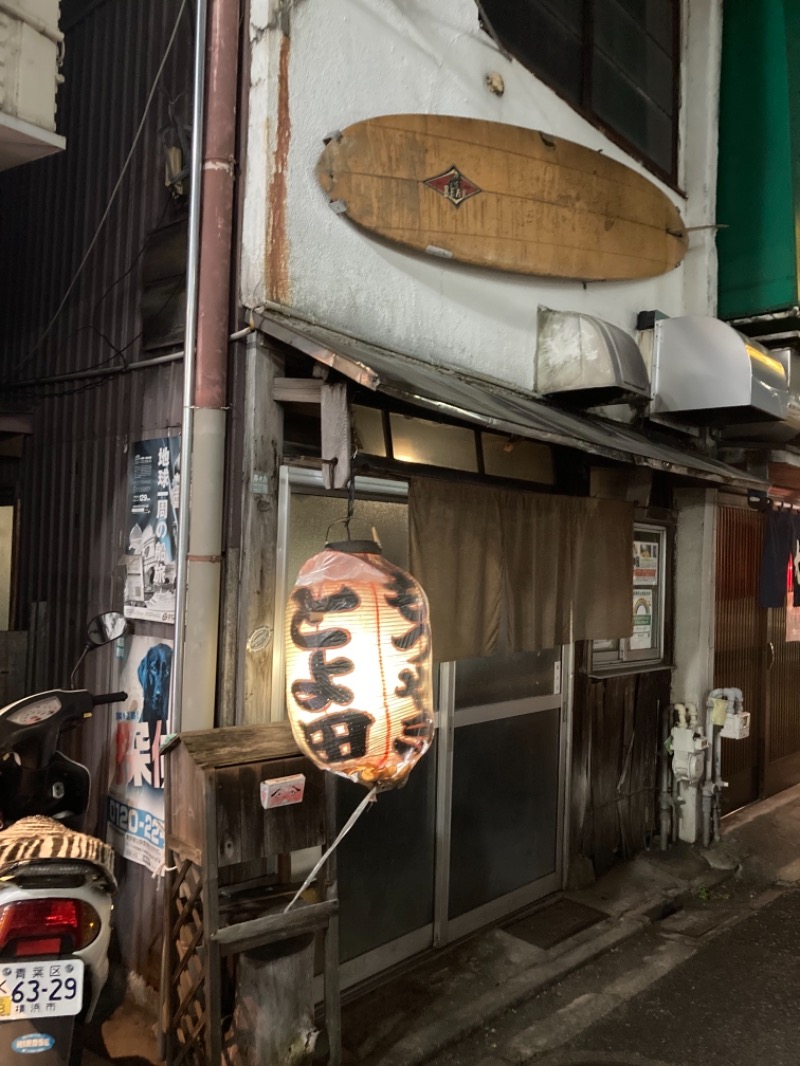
193 693
665 806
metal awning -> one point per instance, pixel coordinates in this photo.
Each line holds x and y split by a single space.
454 394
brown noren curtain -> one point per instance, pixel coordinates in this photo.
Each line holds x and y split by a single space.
503 569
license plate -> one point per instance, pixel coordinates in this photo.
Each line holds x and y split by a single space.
45 988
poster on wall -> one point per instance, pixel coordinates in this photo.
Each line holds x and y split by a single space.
135 810
151 559
645 563
642 619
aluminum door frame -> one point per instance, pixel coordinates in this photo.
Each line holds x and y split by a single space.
447 929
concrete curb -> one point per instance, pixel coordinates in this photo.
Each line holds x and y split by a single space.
424 1043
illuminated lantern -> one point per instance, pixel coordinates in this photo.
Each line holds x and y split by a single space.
358 665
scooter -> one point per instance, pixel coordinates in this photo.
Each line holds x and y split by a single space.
56 883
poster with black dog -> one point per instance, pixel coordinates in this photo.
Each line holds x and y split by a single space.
135 809
153 501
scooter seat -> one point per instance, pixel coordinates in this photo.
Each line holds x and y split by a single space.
38 841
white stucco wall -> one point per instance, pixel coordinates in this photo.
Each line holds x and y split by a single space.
320 65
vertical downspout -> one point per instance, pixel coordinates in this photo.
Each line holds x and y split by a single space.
190 345
197 623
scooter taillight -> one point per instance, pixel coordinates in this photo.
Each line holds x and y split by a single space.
47 926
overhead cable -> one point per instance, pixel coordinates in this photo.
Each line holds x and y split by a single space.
114 191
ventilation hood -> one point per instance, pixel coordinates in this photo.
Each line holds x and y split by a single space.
706 373
586 362
775 432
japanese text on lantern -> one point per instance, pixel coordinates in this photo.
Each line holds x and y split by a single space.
360 685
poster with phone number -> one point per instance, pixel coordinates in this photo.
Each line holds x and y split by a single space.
135 801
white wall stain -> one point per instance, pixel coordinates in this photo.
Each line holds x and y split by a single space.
352 59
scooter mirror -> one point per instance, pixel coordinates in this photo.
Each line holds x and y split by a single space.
105 628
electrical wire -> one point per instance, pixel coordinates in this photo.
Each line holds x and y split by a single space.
114 191
134 261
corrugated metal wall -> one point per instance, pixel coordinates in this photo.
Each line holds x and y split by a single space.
74 471
739 644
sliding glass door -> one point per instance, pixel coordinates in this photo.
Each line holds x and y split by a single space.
476 832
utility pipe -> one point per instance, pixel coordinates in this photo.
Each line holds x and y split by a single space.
198 668
175 720
708 784
96 372
665 797
716 810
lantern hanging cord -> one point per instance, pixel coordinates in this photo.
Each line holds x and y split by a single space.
348 825
351 503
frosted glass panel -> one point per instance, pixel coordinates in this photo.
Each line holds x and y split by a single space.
415 440
523 459
368 424
310 517
506 677
505 807
386 870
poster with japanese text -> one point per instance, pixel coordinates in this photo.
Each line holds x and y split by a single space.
151 559
135 806
645 562
642 619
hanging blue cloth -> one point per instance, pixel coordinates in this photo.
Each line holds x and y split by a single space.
781 543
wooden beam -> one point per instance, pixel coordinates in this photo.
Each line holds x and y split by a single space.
297 390
263 443
337 436
260 931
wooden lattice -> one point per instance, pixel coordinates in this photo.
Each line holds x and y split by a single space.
187 1014
221 847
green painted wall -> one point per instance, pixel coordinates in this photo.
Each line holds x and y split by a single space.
759 144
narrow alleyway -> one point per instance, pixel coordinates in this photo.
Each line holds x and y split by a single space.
699 960
693 988
696 958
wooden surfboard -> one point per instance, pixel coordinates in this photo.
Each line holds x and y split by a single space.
501 197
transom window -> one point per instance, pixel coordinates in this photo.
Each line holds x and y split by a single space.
615 61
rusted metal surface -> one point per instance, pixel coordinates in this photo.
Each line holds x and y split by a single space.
217 206
277 255
73 475
740 643
485 402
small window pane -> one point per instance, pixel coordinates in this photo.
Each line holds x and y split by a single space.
646 643
657 17
415 440
627 110
545 42
626 46
500 678
368 424
522 459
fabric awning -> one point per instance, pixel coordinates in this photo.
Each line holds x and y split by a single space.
455 394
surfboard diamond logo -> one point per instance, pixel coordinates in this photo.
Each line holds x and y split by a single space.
453 186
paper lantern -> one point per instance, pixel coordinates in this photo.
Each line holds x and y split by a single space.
358 665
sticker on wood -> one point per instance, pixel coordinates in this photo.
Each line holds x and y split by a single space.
501 197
